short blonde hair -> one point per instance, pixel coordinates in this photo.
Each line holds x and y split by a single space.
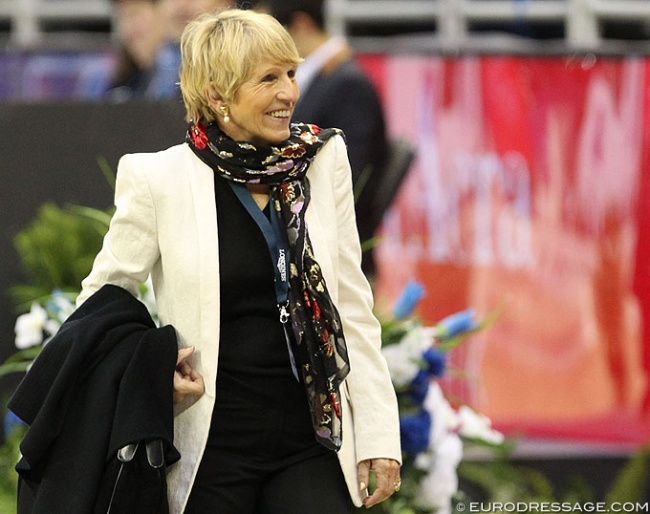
219 52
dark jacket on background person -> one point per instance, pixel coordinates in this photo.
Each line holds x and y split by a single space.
342 96
104 381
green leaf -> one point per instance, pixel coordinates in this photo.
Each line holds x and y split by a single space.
98 218
20 361
57 250
107 171
631 484
9 455
503 481
360 184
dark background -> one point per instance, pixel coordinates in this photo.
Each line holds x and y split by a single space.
50 152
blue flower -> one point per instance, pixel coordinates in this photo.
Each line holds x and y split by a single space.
52 302
456 324
436 362
415 432
11 422
59 306
419 387
412 293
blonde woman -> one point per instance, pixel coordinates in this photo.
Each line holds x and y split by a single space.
284 404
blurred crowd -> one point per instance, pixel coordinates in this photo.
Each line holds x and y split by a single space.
143 64
148 32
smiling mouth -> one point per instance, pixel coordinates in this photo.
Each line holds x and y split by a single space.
280 114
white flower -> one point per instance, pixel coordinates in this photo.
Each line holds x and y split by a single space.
417 340
404 358
439 486
444 417
478 426
51 327
29 327
401 365
444 421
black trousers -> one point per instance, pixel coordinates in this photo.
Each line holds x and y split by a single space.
310 483
262 458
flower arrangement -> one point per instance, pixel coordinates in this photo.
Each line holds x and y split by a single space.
35 328
432 432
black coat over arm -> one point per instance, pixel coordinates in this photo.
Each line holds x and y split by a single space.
104 381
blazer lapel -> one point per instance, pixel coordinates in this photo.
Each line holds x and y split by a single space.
207 298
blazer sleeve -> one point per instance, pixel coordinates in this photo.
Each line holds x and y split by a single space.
372 395
130 247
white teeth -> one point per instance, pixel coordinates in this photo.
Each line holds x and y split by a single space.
280 114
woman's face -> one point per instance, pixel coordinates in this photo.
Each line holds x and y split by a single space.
262 108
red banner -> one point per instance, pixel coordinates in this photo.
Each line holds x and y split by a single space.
530 194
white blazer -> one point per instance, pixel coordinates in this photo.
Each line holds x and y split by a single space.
165 225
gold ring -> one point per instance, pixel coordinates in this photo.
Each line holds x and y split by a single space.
398 484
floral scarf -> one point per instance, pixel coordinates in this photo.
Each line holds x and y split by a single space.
319 346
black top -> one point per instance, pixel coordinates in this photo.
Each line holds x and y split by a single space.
254 377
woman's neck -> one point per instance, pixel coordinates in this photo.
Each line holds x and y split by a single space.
260 193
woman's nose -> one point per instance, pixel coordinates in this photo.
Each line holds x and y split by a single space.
288 91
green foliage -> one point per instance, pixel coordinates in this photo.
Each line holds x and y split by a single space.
632 483
57 250
9 455
393 331
502 481
20 361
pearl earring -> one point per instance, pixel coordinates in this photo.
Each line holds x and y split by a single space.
226 117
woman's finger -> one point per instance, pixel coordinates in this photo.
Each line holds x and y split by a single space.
184 353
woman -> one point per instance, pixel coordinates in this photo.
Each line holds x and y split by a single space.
284 401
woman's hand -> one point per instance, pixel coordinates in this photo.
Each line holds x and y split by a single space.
186 379
387 480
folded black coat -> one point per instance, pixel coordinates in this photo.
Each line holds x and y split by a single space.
104 381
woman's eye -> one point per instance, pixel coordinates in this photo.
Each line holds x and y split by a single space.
268 78
292 74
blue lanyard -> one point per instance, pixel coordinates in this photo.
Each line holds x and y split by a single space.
274 237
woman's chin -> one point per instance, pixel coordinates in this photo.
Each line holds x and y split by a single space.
278 136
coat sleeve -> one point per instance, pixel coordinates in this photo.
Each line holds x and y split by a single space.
130 247
372 396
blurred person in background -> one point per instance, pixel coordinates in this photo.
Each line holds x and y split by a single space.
140 35
176 14
335 92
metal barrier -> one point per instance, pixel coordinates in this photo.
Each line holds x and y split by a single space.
453 23
28 18
447 23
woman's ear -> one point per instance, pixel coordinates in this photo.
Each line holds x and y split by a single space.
215 100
